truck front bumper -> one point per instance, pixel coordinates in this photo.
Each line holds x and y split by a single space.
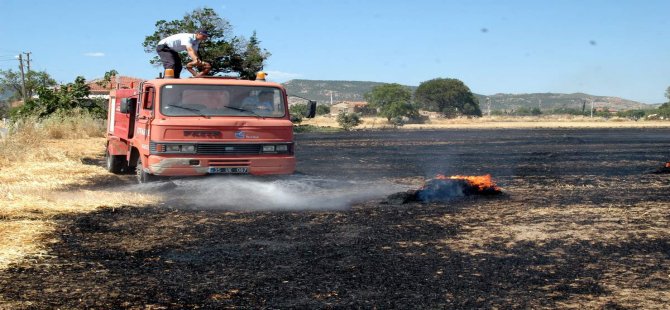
197 165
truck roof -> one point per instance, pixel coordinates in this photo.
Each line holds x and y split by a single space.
213 81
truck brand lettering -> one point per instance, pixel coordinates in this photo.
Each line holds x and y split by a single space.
243 135
141 131
203 134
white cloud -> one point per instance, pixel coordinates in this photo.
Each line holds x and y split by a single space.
282 76
95 54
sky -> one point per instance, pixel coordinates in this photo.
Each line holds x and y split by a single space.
615 48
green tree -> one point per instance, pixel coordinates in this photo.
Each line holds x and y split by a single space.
225 52
392 100
65 98
348 120
663 110
449 96
253 58
10 83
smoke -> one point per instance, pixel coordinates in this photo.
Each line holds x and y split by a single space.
289 193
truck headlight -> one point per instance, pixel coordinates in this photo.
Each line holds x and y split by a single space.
275 148
189 148
179 148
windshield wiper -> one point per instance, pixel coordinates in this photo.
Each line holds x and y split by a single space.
244 110
189 109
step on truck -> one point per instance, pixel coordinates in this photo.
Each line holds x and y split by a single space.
200 126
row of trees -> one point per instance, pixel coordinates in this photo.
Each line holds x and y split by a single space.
450 97
453 98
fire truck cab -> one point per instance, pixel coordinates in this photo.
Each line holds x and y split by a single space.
200 126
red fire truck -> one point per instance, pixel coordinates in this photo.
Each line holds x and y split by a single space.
200 126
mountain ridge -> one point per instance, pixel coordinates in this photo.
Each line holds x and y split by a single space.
342 90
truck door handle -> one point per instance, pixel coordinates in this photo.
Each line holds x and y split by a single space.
142 117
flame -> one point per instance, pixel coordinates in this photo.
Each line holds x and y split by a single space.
667 165
481 182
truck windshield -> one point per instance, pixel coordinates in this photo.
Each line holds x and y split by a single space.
221 100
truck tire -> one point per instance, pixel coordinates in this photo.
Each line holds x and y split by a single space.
115 163
143 176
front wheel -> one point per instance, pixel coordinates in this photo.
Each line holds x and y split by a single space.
143 176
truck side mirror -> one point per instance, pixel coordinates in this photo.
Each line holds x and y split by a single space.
311 109
127 104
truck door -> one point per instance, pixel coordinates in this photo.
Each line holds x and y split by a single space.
144 115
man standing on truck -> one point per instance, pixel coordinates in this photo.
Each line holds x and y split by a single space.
168 50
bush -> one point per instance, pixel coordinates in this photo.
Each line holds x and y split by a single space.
397 121
297 111
348 120
322 109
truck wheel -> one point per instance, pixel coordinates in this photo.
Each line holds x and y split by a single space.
143 176
115 163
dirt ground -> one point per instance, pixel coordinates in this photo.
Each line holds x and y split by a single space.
583 222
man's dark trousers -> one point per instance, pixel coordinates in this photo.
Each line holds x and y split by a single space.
170 59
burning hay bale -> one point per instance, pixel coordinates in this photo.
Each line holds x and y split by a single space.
664 169
445 188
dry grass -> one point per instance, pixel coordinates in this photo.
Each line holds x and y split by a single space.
37 174
549 121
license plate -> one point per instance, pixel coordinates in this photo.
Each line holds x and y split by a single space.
228 170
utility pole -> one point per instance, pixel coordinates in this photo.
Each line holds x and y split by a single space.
23 79
30 94
488 104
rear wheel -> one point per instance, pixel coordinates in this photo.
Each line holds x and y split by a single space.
115 163
143 176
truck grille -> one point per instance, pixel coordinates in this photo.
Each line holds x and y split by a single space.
223 148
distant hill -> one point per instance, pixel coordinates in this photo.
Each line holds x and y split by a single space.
551 101
321 90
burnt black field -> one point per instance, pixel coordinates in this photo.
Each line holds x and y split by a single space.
582 222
